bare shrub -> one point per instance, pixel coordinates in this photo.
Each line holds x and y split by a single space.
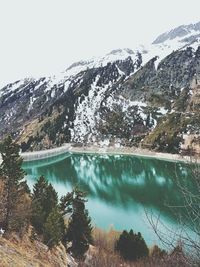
105 239
102 258
187 215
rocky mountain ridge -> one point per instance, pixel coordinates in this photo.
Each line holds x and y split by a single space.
122 98
185 32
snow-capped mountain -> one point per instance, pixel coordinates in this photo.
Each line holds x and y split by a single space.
118 98
185 33
163 45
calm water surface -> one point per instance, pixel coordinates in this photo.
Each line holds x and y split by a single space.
121 189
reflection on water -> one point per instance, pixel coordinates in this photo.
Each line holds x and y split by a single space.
119 188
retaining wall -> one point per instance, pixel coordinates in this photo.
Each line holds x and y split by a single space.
43 154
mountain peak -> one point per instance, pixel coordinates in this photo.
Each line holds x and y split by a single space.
120 51
181 32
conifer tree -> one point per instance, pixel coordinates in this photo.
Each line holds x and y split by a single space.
12 174
131 246
79 228
54 228
44 200
123 245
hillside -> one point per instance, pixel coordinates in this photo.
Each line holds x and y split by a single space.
123 98
20 253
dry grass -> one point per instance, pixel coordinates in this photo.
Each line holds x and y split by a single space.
102 258
17 252
32 127
2 202
103 255
105 239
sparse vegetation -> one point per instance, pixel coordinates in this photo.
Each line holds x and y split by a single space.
168 135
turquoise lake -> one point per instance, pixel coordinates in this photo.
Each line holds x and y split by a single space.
121 190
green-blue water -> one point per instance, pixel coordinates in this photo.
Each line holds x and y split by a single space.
121 189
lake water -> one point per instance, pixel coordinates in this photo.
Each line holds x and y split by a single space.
121 190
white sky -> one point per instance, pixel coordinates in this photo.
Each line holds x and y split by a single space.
39 37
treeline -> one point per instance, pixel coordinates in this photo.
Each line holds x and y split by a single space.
53 220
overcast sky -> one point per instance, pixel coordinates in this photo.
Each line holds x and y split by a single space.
39 37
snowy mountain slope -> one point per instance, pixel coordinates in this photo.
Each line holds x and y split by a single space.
28 99
178 38
182 32
119 97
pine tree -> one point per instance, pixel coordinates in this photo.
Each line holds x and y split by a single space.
12 174
11 167
123 245
79 227
51 199
131 246
54 228
44 200
66 203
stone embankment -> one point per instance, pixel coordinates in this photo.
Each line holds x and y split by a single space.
43 154
91 149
